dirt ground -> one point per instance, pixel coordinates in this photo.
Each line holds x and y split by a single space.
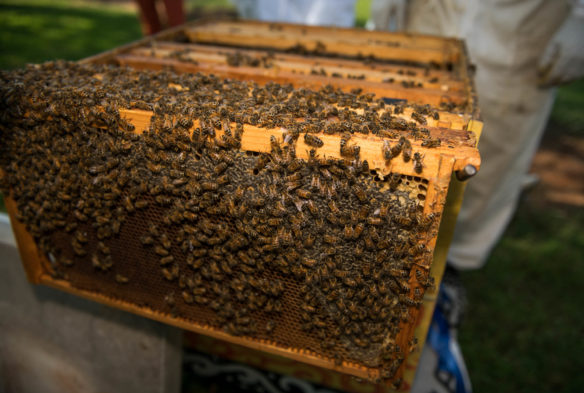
559 164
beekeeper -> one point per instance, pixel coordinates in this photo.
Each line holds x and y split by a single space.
522 49
310 12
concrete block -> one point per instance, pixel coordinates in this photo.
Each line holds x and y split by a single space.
51 341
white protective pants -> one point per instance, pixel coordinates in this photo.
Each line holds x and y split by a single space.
505 39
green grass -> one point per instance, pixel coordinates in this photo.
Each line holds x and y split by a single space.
209 5
41 30
523 331
568 114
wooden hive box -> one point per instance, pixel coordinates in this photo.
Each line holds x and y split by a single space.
267 215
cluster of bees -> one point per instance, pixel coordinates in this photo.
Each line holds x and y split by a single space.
237 59
301 49
250 236
180 55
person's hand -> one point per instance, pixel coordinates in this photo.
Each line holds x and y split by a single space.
563 58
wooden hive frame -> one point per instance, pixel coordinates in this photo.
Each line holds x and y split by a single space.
330 51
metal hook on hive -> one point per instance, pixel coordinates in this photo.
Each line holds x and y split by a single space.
466 173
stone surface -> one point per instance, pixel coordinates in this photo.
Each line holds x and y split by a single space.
55 342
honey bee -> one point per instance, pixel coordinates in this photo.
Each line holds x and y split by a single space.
325 172
358 230
199 291
360 343
169 299
360 193
273 306
102 264
179 182
121 279
409 302
308 241
426 221
330 239
386 150
332 218
374 221
261 163
279 210
397 148
70 227
394 181
403 220
275 222
419 118
418 165
418 294
166 260
80 216
209 186
348 232
141 204
153 230
403 284
161 251
312 140
369 243
275 146
407 151
165 241
349 151
398 272
103 248
283 237
188 297
128 205
189 216
294 177
222 180
291 186
78 248
430 143
420 276
333 206
418 249
295 165
116 225
146 240
171 273
305 194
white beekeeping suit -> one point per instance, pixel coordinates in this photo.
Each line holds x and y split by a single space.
436 17
309 12
521 49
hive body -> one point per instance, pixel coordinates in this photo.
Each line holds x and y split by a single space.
298 221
